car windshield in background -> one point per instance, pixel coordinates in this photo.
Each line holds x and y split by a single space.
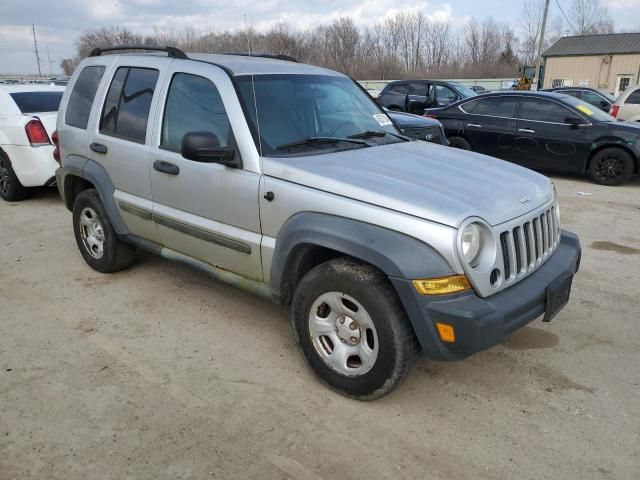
300 114
37 102
465 91
588 110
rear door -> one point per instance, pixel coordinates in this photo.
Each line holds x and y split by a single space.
490 125
417 100
545 141
205 210
121 142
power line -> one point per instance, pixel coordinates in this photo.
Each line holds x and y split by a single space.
565 15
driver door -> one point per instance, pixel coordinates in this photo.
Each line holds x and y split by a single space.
205 210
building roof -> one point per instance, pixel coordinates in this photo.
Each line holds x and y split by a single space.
605 44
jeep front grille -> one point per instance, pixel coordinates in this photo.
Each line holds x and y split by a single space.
527 245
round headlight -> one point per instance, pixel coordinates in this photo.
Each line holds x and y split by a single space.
471 243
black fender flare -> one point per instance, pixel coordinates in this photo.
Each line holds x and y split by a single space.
93 172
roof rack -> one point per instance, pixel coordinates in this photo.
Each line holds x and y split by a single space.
172 51
275 56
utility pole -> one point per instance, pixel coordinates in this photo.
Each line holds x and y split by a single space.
35 42
541 43
50 62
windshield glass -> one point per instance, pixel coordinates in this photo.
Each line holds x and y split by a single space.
588 110
37 102
288 109
465 91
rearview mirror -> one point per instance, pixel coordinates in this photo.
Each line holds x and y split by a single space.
205 147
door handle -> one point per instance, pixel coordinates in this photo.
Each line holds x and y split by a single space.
526 130
477 125
98 147
166 167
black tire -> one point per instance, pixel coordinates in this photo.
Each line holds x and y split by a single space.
611 166
397 344
11 189
116 255
395 109
459 142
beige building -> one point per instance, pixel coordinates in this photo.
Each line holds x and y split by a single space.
608 62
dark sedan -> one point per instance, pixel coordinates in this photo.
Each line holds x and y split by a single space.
419 128
546 131
413 96
598 99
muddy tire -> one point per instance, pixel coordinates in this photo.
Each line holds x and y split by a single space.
352 329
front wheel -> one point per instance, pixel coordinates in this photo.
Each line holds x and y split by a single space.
611 166
459 142
352 328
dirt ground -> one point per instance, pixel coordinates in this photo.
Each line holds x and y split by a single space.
160 372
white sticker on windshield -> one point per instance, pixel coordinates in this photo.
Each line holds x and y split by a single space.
382 119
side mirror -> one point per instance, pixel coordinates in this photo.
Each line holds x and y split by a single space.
574 121
205 147
604 105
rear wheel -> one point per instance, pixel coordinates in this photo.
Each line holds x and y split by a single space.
459 142
11 189
611 166
352 328
98 243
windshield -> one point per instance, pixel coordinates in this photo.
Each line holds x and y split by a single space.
588 110
465 91
289 109
37 102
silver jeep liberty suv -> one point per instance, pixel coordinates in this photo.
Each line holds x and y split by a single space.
288 180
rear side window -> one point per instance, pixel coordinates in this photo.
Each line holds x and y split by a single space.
399 88
126 110
634 98
193 105
81 99
543 111
492 106
37 102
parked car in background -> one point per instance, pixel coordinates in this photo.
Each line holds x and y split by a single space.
27 121
417 127
545 131
598 99
627 105
288 180
413 96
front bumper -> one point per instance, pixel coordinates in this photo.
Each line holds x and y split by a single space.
480 323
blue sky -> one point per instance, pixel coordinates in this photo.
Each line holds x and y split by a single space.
59 22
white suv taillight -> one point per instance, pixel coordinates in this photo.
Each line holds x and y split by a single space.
614 111
36 133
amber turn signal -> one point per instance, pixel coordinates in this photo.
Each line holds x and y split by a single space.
442 285
447 332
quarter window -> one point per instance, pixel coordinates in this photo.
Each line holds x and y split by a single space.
543 111
492 106
193 105
633 98
81 98
126 109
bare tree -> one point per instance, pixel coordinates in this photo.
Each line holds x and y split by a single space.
589 17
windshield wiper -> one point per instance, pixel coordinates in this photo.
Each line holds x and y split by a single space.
376 133
320 140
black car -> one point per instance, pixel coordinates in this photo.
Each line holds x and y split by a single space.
546 131
419 128
414 96
598 99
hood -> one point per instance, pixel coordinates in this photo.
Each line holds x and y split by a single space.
429 181
405 120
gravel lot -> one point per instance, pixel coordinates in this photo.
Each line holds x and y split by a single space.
159 372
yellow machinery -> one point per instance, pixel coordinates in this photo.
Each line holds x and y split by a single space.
526 75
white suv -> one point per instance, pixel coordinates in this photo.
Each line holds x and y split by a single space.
27 122
627 105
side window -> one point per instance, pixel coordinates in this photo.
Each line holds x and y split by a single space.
543 111
126 109
416 88
572 93
492 106
193 105
81 99
592 98
399 88
444 95
633 98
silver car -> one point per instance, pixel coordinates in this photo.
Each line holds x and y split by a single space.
289 181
